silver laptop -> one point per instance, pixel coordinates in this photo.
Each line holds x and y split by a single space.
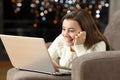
30 53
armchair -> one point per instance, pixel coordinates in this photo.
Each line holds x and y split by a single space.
94 66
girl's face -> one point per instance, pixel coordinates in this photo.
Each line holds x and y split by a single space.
70 28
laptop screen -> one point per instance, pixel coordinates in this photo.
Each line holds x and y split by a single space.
29 53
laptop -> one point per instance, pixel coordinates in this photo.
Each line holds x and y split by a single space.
31 54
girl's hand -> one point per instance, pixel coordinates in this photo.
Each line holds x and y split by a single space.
55 65
80 38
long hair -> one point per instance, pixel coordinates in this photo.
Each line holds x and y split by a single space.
87 23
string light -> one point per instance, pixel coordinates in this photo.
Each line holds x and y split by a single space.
42 8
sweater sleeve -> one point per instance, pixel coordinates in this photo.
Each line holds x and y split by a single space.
100 46
81 50
54 48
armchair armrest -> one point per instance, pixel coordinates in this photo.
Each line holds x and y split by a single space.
15 74
97 66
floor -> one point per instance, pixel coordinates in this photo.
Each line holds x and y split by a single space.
4 66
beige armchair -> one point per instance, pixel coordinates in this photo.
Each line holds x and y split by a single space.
112 31
94 66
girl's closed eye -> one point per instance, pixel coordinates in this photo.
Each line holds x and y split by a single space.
63 29
72 30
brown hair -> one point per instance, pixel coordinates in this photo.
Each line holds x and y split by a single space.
87 23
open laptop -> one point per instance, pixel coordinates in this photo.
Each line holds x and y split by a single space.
30 53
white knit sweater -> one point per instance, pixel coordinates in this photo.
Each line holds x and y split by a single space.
58 49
